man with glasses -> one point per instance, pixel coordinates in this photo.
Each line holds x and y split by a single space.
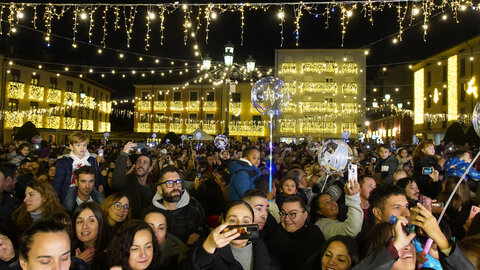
294 242
84 185
185 216
134 184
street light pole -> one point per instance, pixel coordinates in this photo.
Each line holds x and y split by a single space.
228 59
82 97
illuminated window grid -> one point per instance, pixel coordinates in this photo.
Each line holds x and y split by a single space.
319 67
144 127
144 105
36 93
419 92
16 90
452 83
160 106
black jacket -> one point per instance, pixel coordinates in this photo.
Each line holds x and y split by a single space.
8 204
222 258
293 249
425 184
386 167
140 196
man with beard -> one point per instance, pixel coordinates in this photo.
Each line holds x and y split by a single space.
185 217
134 184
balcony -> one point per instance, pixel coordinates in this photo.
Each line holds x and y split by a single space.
289 107
160 106
36 93
287 127
105 107
321 107
144 106
350 127
289 68
349 109
193 106
69 122
176 106
349 68
320 67
246 129
235 108
13 119
70 96
289 88
86 124
104 127
191 126
349 88
36 119
176 127
89 103
319 87
144 127
53 122
318 127
210 128
54 96
160 127
16 90
209 106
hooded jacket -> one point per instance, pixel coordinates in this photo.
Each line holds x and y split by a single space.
456 166
243 178
187 218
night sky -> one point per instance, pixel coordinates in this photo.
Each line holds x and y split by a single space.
261 38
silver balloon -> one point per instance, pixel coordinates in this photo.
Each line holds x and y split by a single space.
267 95
476 118
221 141
334 156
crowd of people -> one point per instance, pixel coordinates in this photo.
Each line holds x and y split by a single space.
192 206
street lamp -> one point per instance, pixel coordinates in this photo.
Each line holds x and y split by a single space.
226 72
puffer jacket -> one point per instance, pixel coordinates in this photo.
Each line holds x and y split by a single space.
243 178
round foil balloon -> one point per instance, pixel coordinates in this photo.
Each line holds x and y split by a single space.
267 95
334 156
221 141
476 118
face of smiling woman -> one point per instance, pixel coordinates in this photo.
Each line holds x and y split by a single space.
336 257
86 227
141 251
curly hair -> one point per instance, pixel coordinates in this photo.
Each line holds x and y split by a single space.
118 252
418 153
113 198
50 205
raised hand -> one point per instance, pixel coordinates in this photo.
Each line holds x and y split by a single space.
218 238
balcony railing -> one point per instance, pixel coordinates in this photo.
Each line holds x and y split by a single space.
209 106
36 93
144 127
16 90
159 106
69 123
160 127
54 96
176 106
193 106
318 127
144 105
53 122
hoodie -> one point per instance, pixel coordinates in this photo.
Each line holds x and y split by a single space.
187 218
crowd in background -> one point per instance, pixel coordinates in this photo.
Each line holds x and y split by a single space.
88 205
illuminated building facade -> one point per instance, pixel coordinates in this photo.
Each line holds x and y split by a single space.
54 102
327 88
445 89
159 110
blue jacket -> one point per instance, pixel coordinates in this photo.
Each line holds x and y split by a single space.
63 175
243 178
456 166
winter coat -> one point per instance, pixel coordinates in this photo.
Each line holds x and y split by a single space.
140 196
293 249
63 175
187 218
456 166
425 184
386 167
243 178
222 258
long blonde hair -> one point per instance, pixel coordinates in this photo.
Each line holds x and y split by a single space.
50 205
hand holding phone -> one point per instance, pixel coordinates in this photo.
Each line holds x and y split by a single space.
352 174
427 170
100 152
250 231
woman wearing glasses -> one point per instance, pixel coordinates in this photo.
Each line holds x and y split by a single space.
91 235
116 209
295 241
222 250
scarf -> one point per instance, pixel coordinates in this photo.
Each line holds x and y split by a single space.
77 163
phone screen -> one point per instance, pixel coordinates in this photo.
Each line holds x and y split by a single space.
139 145
250 231
100 152
427 170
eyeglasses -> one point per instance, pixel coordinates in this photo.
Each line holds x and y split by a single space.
120 206
170 183
291 214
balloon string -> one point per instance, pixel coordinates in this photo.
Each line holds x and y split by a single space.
271 154
324 184
456 187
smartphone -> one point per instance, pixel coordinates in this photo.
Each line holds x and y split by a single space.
474 211
352 174
373 160
199 173
100 152
427 170
139 145
250 231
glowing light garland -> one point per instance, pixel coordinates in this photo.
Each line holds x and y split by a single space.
176 106
144 106
452 76
193 106
235 108
160 106
16 90
54 96
69 123
53 122
322 107
349 68
349 88
210 106
418 92
36 93
319 87
318 127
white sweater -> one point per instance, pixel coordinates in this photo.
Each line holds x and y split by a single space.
351 226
